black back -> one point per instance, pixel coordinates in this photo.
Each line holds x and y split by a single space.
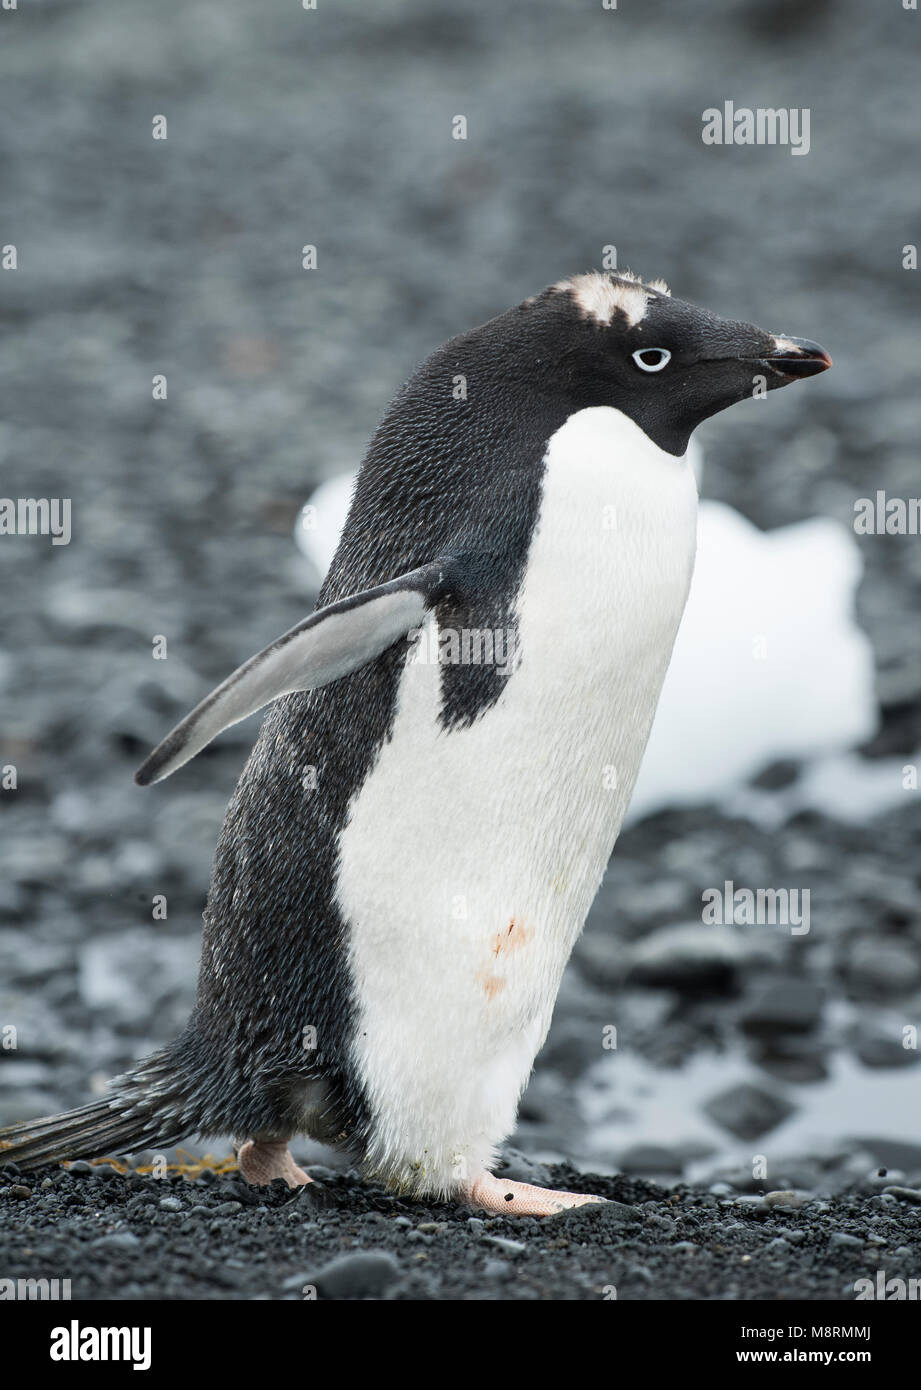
442 475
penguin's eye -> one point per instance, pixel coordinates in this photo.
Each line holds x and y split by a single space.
652 359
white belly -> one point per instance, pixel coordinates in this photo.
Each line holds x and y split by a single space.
471 857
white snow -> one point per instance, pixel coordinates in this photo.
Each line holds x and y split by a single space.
320 522
769 661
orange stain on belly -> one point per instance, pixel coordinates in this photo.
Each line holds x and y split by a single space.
504 943
512 938
492 984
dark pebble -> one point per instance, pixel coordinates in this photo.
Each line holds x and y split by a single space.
785 1006
365 1274
748 1111
116 1241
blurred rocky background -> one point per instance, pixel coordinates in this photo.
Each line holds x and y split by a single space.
332 127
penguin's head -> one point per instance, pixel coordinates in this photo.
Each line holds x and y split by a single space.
613 339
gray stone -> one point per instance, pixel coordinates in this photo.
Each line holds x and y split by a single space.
650 1159
604 1212
748 1111
116 1242
518 1167
364 1274
905 1194
892 1153
783 1198
786 1005
879 1048
842 1240
508 1247
884 967
692 955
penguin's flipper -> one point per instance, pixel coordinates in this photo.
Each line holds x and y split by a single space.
329 644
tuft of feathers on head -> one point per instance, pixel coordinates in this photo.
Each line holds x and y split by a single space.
600 295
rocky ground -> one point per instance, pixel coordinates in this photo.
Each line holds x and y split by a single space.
126 1236
183 257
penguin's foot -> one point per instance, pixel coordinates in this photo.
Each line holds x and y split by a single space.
261 1161
522 1198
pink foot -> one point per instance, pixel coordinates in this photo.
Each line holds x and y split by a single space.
522 1198
263 1160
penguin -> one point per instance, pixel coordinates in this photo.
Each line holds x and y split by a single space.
451 744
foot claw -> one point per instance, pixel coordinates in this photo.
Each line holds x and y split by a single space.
523 1199
262 1161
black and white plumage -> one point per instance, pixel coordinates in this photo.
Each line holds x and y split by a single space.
384 937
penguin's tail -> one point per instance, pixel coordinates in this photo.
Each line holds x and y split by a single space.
148 1107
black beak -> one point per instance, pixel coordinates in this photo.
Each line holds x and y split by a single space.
798 357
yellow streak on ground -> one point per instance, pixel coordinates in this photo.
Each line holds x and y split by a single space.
187 1166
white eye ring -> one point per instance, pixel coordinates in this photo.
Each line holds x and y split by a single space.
664 358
